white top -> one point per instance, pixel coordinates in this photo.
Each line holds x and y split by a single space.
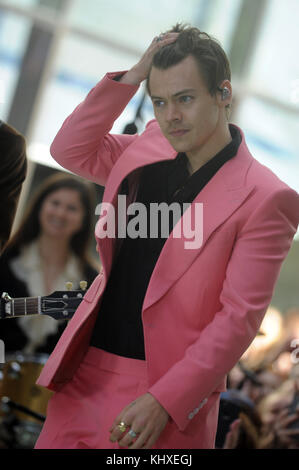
27 268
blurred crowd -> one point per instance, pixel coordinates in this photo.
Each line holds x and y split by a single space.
260 409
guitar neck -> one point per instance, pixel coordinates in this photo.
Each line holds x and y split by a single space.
20 307
58 305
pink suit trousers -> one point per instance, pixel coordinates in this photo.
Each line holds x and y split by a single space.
80 415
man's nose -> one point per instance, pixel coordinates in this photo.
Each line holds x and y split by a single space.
172 113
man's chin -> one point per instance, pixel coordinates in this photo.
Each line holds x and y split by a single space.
179 147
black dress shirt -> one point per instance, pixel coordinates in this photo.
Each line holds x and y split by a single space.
118 328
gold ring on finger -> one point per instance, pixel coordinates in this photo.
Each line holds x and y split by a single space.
122 426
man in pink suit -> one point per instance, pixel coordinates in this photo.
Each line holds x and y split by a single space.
145 357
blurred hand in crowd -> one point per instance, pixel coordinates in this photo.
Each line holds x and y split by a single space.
232 437
277 418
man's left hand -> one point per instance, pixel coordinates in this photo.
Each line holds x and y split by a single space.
144 417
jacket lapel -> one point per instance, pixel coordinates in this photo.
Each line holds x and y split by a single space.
224 193
149 148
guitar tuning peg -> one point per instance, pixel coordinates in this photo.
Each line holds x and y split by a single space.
6 296
83 285
68 285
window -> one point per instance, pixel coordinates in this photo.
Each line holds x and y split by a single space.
14 33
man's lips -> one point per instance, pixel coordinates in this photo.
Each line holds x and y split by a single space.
178 132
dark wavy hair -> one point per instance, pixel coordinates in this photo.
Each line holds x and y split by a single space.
29 228
212 61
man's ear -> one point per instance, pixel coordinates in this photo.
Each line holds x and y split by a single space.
225 92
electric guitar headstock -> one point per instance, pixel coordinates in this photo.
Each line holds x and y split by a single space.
59 305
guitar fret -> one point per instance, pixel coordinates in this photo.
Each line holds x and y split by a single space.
60 304
25 306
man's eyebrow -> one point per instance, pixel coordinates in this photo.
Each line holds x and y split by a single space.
187 90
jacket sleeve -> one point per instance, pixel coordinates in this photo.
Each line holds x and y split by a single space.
83 145
247 290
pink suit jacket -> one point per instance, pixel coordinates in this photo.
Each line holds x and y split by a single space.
203 306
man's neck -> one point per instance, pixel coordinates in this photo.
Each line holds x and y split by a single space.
214 145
